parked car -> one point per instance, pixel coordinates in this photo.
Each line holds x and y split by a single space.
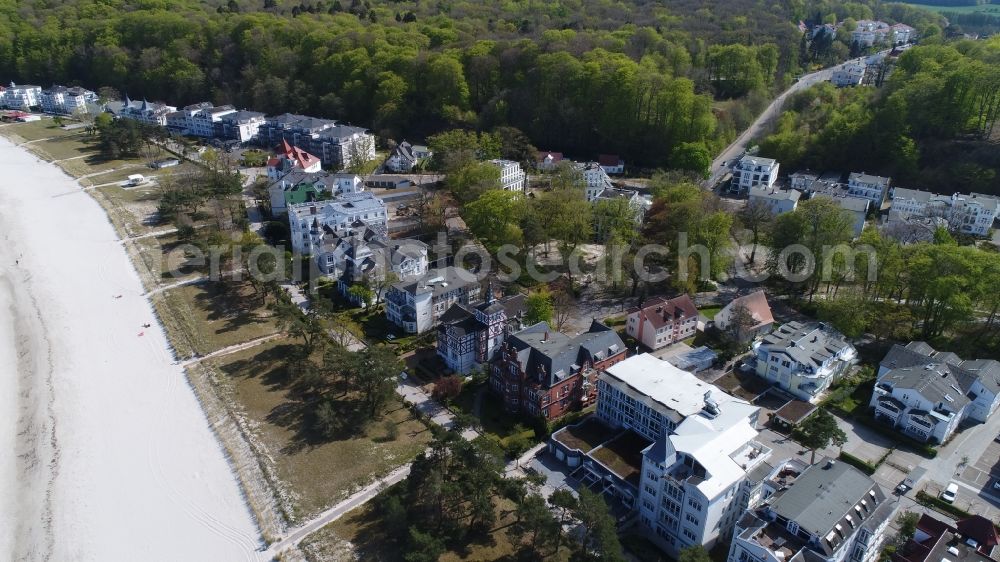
950 492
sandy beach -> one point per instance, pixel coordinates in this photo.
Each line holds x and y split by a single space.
114 458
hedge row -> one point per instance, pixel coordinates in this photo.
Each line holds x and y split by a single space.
857 463
938 503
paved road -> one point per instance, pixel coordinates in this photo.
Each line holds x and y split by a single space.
736 149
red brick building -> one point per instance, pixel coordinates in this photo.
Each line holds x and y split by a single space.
542 372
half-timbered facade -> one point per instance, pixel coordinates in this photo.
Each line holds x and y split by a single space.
541 372
468 336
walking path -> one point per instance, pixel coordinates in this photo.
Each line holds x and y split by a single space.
231 349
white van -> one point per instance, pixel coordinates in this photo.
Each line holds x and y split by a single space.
950 492
135 179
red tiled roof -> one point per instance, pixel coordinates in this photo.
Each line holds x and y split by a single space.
659 310
609 160
556 156
300 157
981 529
756 302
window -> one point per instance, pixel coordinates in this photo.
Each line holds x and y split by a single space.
692 519
694 504
690 535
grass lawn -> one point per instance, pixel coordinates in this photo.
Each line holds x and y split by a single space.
71 146
35 130
205 317
362 529
710 312
319 473
92 165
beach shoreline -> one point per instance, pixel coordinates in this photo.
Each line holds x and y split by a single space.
117 458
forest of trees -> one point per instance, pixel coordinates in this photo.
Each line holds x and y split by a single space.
933 126
580 76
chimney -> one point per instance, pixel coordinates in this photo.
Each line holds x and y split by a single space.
545 337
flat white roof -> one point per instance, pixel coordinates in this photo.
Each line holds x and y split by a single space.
664 383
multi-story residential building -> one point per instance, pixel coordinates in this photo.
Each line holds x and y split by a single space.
361 255
659 322
512 177
850 74
802 180
23 97
207 122
544 373
831 512
242 126
338 146
746 318
695 451
595 179
417 306
302 187
309 222
803 359
902 33
150 113
906 202
66 101
604 215
867 186
971 214
926 394
611 163
777 201
752 171
469 336
973 539
868 33
857 207
291 158
548 160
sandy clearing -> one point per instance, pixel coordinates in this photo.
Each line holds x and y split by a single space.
120 463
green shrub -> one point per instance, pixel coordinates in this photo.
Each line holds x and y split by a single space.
857 463
938 503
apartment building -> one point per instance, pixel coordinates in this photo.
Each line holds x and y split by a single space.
695 469
830 512
595 179
66 101
605 216
544 373
753 171
23 97
309 222
338 146
927 394
416 306
659 321
777 201
512 177
971 214
242 126
803 359
867 186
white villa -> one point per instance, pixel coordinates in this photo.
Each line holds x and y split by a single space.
66 101
829 512
595 178
512 177
199 120
778 201
150 113
803 359
309 222
867 186
926 394
416 306
752 171
22 97
971 214
850 74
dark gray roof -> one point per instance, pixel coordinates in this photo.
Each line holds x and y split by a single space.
824 494
908 364
934 381
552 356
910 355
809 344
438 281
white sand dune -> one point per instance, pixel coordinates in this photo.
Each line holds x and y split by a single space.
114 457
